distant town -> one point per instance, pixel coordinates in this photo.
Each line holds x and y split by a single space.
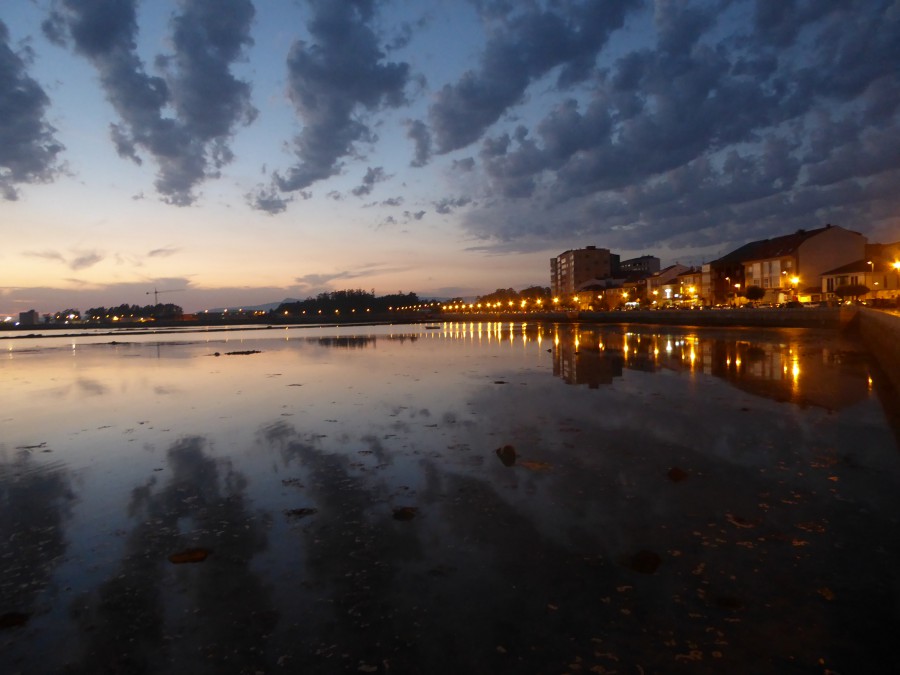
824 266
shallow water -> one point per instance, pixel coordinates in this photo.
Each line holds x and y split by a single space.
475 498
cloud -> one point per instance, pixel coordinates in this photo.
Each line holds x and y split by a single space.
162 252
81 259
417 131
718 133
525 47
324 280
450 204
269 200
333 87
28 148
85 259
46 255
207 100
373 175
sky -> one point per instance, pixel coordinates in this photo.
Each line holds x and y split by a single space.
240 152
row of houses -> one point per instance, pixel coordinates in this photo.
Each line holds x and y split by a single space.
807 266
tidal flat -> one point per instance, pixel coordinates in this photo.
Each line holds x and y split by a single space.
458 498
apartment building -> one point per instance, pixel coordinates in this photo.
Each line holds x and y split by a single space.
572 269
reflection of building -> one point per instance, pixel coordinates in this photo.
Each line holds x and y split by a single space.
349 341
588 365
783 372
572 269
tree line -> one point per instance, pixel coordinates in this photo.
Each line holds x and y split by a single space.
126 312
348 301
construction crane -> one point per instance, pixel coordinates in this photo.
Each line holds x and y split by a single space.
156 294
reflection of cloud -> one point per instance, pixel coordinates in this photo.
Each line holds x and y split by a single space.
91 387
36 500
221 602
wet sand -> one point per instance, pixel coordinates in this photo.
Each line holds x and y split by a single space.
484 498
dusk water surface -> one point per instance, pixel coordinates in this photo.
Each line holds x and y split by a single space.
476 498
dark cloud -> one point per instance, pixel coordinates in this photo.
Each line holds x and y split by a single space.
333 81
526 46
207 100
463 165
392 201
719 133
414 215
450 204
269 200
417 132
28 148
373 175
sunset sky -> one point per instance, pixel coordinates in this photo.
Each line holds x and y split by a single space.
237 152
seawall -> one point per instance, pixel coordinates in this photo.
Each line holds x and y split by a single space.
806 317
880 332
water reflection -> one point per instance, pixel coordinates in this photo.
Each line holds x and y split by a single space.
347 342
446 502
151 615
785 365
36 499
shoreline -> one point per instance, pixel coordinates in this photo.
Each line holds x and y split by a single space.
816 317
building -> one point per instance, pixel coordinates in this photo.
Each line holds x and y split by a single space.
879 272
29 318
572 269
663 286
787 267
643 266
